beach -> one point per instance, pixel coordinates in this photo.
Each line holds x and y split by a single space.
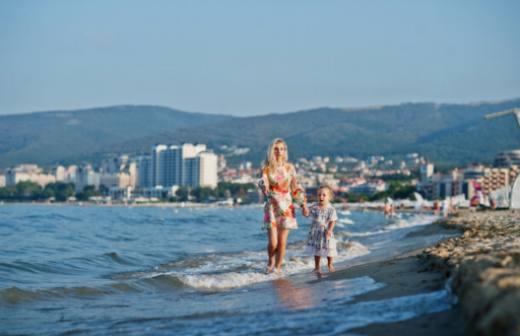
117 270
481 266
406 275
193 271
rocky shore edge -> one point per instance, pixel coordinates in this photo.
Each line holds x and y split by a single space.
484 266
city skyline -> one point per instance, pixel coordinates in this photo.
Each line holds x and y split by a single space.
254 59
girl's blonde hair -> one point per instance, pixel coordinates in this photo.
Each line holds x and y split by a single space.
329 190
270 158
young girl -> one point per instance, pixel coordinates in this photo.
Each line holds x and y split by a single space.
321 241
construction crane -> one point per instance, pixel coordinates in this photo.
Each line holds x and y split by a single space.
515 111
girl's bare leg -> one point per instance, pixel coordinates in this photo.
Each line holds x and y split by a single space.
317 260
280 252
272 236
329 264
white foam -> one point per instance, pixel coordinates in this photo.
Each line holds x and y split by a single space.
416 220
203 277
345 220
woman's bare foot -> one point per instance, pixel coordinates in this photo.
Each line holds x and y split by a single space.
269 268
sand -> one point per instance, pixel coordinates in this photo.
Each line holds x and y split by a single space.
484 263
404 275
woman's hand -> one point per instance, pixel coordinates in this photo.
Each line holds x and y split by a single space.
305 210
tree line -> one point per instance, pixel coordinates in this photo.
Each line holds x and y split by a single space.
61 192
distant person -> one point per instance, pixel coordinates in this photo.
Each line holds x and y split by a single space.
320 240
392 210
387 209
492 204
280 187
436 207
446 207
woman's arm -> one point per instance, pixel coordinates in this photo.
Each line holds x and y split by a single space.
297 192
263 182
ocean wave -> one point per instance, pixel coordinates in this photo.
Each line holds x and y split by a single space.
345 220
15 295
413 221
231 270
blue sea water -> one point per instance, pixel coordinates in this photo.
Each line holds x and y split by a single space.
91 270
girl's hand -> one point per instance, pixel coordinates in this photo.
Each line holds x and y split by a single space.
329 233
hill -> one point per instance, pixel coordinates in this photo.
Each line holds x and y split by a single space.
446 133
72 136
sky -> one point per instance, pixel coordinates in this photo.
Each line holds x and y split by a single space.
248 58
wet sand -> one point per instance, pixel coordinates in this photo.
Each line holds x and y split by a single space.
406 275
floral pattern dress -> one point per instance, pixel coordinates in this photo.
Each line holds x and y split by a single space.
282 191
317 243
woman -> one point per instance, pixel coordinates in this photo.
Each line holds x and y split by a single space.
281 189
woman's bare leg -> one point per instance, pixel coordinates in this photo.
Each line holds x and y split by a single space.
272 236
280 252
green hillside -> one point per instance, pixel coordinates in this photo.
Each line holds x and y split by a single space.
446 133
71 136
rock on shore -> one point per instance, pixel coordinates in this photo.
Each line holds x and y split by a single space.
484 263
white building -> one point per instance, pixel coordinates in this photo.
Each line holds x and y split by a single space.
109 180
28 172
185 165
207 170
2 181
86 176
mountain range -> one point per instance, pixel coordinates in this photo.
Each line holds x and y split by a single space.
448 134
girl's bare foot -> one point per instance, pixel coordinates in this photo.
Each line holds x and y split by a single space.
331 269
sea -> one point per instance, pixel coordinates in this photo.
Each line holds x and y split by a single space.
118 270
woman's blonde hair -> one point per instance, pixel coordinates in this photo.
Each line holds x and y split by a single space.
270 158
329 190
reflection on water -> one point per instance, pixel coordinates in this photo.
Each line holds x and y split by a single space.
294 297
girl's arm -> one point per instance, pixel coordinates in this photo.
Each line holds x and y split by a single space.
330 228
332 222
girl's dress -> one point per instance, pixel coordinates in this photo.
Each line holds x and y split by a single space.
282 191
317 243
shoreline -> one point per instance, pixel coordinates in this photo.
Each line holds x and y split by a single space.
404 275
481 266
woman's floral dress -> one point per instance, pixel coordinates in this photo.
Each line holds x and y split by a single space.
317 243
282 191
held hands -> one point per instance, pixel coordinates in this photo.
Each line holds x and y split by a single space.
329 233
305 210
